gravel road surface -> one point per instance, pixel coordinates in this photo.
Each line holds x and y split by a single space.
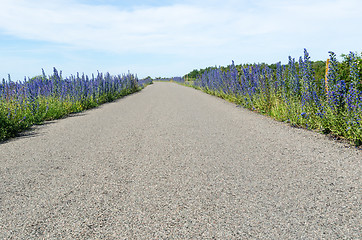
171 162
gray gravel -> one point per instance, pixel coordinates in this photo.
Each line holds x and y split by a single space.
171 162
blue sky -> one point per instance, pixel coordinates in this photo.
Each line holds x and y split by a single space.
169 38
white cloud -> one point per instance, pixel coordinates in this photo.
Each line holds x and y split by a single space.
151 29
200 32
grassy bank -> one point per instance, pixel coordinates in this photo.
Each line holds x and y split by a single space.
290 93
23 104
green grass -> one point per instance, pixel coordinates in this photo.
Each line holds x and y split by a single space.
16 117
291 112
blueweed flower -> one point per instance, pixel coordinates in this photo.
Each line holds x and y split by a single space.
337 96
293 77
307 78
353 69
352 98
332 74
279 77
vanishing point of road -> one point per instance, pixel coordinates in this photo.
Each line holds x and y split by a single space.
171 162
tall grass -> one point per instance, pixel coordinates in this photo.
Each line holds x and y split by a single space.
23 104
290 93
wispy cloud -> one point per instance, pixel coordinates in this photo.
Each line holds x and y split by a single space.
206 31
166 28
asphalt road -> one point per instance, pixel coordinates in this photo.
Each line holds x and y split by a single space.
171 162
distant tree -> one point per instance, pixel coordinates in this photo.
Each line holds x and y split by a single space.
319 68
147 78
194 74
